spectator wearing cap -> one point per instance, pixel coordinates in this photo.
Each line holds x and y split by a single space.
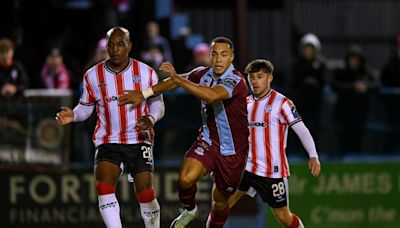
100 54
308 80
201 56
54 74
13 78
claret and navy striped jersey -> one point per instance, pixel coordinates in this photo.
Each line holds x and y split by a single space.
224 123
116 123
269 118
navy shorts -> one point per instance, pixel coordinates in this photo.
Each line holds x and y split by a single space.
132 158
273 191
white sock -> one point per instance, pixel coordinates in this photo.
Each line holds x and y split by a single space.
301 225
208 220
109 210
151 213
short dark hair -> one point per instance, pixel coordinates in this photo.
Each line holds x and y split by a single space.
224 40
260 64
122 29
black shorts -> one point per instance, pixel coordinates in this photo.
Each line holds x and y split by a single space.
274 191
132 158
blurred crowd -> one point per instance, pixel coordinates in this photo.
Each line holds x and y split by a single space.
326 92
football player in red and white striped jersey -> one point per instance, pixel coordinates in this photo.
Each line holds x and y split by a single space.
270 114
222 145
123 135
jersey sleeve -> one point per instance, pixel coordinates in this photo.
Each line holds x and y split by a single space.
289 114
153 77
88 96
194 75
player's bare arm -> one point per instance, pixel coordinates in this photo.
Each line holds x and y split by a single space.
208 94
136 97
65 116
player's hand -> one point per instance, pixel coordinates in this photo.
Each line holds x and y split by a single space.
8 90
145 123
361 86
169 70
65 116
133 97
314 166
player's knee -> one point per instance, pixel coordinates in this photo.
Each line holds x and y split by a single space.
220 206
103 188
185 181
146 195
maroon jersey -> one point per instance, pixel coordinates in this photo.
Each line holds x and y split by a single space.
224 122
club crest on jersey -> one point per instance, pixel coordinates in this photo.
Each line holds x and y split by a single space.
136 78
230 82
267 108
199 151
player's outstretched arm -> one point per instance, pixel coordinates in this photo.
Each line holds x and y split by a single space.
80 113
208 94
308 143
135 97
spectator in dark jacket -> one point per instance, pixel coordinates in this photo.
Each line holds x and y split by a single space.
13 78
354 86
308 81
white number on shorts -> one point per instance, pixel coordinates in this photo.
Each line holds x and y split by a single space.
278 189
147 153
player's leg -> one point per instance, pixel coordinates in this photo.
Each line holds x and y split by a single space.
227 175
288 219
233 199
107 173
243 189
278 199
195 165
149 207
191 171
219 211
140 164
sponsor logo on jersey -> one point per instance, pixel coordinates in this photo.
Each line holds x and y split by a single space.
112 98
267 108
136 78
257 124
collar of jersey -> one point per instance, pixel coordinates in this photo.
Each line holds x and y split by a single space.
228 71
265 96
122 71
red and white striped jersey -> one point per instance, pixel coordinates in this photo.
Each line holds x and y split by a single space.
116 123
269 119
